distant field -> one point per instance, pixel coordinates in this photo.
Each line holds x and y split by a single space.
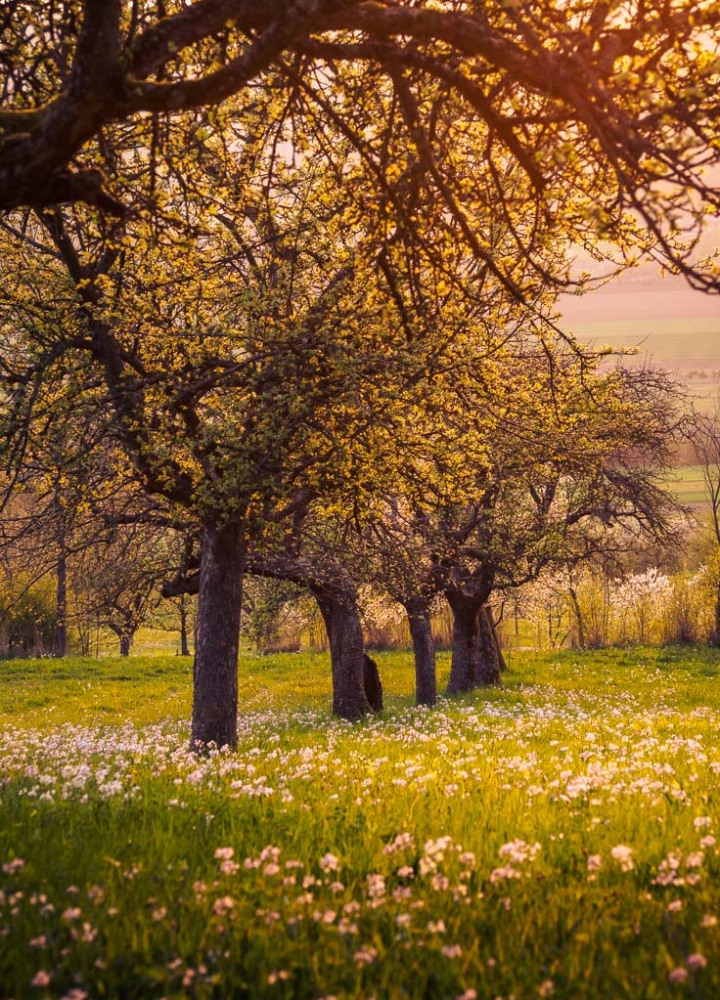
688 485
675 343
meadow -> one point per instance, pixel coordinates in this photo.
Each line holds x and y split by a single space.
556 837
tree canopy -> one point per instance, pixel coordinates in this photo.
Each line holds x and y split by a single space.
609 109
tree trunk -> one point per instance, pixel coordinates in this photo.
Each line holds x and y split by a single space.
578 618
418 612
61 605
475 659
184 646
215 673
464 644
490 662
347 654
125 643
715 634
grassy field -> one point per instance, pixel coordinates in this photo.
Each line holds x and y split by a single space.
688 485
553 838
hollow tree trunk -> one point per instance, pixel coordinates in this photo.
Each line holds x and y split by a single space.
418 612
217 636
347 654
61 605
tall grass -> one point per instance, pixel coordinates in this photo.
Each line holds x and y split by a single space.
553 838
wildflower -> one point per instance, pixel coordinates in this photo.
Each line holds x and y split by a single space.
675 906
506 872
708 841
223 905
594 862
41 978
518 851
279 976
469 994
376 885
452 951
76 994
709 920
623 855
159 913
405 872
10 867
696 961
365 955
678 974
72 913
546 988
224 853
329 863
436 927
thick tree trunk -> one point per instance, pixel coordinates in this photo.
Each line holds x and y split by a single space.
217 636
347 654
61 605
418 612
475 660
464 646
125 644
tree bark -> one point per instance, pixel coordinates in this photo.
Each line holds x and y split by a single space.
347 653
215 673
490 662
475 660
184 646
578 617
418 612
125 644
61 605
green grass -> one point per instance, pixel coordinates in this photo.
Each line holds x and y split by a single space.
367 860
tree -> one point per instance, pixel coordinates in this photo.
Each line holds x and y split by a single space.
238 358
617 103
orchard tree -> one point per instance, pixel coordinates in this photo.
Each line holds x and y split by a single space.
542 456
616 102
241 357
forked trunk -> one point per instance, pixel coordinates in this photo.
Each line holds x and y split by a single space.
347 654
217 636
418 612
